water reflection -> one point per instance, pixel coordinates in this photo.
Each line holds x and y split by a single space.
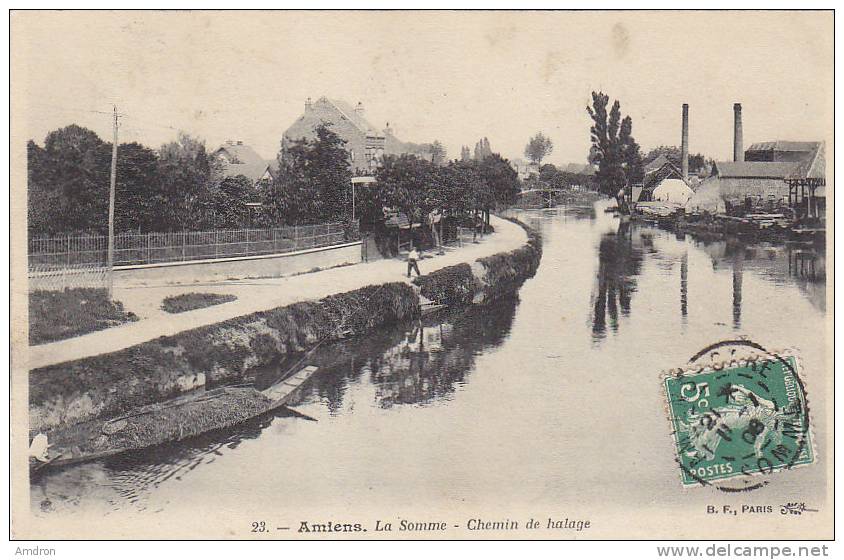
130 477
798 264
623 252
416 364
619 262
447 379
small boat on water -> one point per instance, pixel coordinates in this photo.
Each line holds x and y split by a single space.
155 424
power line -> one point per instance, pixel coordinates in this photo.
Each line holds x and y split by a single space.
73 109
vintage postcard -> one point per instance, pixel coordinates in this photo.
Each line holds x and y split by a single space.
415 275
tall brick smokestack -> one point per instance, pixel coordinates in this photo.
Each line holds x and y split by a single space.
684 145
738 140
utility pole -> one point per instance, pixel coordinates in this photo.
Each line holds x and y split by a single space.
111 190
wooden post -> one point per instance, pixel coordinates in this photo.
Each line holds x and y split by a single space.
149 248
112 188
184 245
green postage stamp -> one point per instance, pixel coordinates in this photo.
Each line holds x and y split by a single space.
748 417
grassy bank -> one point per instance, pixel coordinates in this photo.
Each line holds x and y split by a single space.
56 315
506 272
191 301
114 383
111 384
452 285
493 277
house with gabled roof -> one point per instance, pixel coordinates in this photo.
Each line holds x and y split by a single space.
238 158
366 144
781 151
767 170
656 171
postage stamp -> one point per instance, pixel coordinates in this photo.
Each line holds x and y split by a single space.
739 419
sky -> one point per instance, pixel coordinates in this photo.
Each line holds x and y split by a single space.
451 76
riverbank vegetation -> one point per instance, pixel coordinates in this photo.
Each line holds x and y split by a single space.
114 383
614 151
193 300
506 272
498 275
57 315
452 285
182 186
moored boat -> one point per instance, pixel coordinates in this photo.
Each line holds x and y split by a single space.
155 424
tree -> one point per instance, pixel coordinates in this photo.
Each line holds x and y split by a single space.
465 155
68 182
698 163
172 189
228 202
482 149
501 180
313 183
405 183
42 195
467 192
631 155
141 201
438 153
613 150
538 147
186 171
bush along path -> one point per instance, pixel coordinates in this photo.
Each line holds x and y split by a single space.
488 279
60 315
193 300
110 384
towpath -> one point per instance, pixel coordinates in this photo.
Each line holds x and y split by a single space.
255 295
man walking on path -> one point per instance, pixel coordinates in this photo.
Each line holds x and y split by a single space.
412 257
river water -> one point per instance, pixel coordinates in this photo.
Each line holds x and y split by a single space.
548 402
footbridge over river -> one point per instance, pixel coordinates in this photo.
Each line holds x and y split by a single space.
546 193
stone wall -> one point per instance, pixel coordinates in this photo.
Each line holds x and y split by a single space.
215 270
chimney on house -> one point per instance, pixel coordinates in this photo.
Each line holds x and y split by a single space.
308 104
738 140
684 145
359 109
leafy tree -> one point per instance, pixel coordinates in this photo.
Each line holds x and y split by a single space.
482 149
228 202
405 183
465 155
140 199
186 171
538 147
613 150
438 153
42 195
314 180
631 155
698 163
501 180
69 182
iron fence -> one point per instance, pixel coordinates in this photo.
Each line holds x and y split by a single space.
74 253
45 277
